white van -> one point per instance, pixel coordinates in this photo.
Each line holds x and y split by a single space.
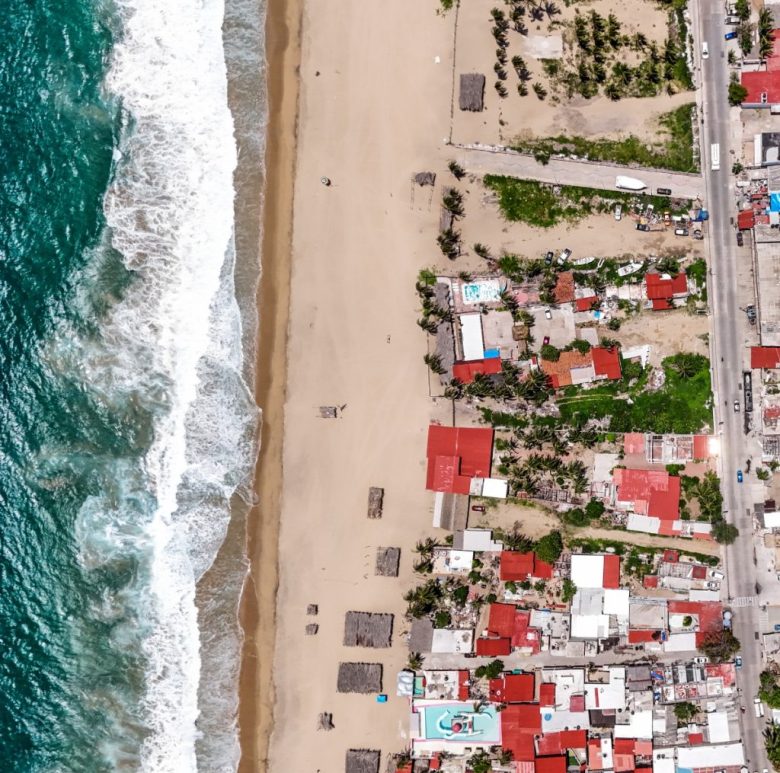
705 50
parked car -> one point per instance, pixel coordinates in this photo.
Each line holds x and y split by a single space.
736 406
548 259
738 661
697 234
564 256
548 313
545 340
618 211
701 660
751 314
712 585
739 476
680 231
664 191
716 575
642 227
730 35
740 239
478 508
705 50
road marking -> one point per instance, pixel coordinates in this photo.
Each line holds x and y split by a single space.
744 601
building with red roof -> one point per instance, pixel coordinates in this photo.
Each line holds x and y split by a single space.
650 581
765 357
573 367
523 636
641 636
551 764
709 614
763 86
746 219
662 289
558 743
501 619
493 648
519 723
466 371
516 567
654 493
512 688
586 304
547 693
564 287
456 455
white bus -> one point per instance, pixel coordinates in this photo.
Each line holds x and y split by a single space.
715 156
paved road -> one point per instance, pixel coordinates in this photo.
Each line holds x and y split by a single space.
727 357
583 173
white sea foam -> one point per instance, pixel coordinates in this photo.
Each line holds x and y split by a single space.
173 344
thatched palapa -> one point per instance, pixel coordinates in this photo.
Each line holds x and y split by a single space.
376 498
360 677
362 761
367 629
387 560
425 178
472 92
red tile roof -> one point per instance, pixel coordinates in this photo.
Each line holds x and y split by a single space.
699 572
701 447
577 703
662 304
763 87
516 567
606 362
595 757
642 637
457 454
494 647
710 615
465 371
519 723
512 688
523 636
501 620
746 219
650 581
611 572
672 556
586 304
557 743
665 289
622 763
653 492
765 357
525 766
564 287
551 764
695 739
464 677
547 693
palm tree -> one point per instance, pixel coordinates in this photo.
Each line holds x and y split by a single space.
426 547
772 743
415 660
452 201
550 9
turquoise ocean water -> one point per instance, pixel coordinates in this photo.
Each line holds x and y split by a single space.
125 424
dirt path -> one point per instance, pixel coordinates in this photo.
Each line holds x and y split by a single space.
650 540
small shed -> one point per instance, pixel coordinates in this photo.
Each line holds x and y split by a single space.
387 560
472 92
362 761
360 677
367 629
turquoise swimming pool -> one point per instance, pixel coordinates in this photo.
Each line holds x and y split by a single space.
459 722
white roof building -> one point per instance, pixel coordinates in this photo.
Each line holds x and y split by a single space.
611 695
718 724
481 541
452 642
710 756
471 336
663 760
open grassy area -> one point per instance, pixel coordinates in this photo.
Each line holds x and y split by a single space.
673 149
682 404
537 203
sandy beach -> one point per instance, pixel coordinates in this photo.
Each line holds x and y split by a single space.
352 341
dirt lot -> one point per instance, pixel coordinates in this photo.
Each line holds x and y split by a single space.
534 522
667 332
504 119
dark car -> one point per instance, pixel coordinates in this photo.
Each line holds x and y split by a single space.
664 191
740 239
642 227
730 35
548 259
478 508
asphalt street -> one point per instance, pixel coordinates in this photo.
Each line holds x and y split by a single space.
728 350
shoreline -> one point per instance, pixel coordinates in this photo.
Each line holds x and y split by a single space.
258 599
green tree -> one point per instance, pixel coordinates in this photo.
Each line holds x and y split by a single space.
719 647
539 90
769 692
594 509
568 591
458 172
772 743
480 762
724 533
549 547
550 352
491 670
685 712
742 8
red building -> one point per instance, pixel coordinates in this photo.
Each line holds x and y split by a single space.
456 455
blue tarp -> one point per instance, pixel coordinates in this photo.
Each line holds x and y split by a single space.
492 354
774 201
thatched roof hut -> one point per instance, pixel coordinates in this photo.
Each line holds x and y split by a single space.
472 92
362 761
367 629
360 677
376 498
425 178
387 560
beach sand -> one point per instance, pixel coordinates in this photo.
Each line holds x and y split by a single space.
377 112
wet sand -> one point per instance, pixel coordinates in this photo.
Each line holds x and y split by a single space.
258 606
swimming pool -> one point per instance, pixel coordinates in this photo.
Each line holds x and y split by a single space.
458 722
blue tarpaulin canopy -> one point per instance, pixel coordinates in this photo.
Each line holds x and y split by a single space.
774 201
